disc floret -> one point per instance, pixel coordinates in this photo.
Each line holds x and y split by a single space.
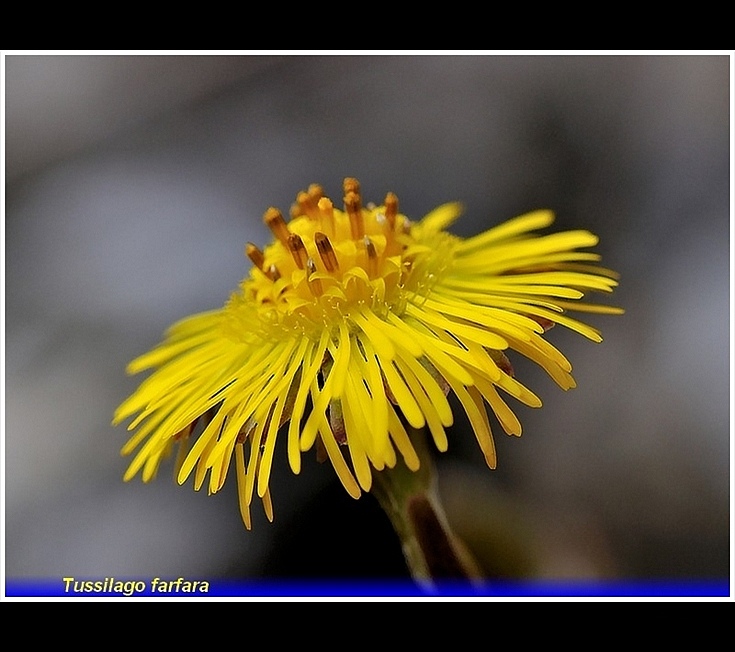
325 264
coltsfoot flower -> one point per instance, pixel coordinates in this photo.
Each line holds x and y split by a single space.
351 324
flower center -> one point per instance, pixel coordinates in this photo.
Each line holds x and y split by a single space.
326 264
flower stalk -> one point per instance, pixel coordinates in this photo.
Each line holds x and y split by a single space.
411 501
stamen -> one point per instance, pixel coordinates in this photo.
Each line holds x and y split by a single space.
326 209
273 273
353 207
315 285
391 209
255 255
372 257
316 192
275 222
298 250
307 205
326 252
350 184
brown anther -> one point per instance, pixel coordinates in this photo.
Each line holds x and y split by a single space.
295 211
351 184
315 285
372 256
255 255
391 209
353 207
298 250
275 222
326 252
273 273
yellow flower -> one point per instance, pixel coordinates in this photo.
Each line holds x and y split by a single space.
352 324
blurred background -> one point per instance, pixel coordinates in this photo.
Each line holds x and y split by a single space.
133 183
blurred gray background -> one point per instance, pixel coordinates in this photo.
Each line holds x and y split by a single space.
133 182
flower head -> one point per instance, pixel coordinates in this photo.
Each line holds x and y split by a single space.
351 324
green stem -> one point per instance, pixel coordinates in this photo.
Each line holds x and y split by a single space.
411 501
